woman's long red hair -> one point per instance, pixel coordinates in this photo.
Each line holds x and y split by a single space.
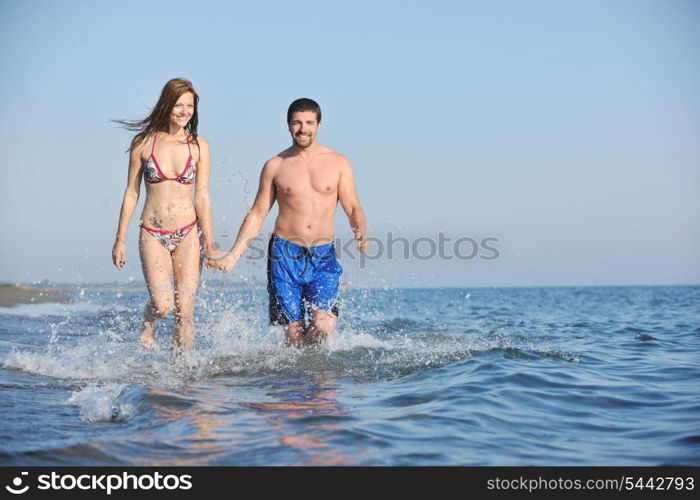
159 118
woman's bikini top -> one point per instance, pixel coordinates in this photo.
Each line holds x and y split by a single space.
153 174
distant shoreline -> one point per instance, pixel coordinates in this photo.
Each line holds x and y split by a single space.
12 295
126 287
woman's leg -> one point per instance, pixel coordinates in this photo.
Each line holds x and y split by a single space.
187 266
157 266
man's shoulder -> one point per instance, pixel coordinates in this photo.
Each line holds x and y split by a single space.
276 160
335 157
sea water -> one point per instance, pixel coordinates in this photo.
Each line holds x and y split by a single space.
473 376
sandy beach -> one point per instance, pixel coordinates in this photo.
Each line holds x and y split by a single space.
11 295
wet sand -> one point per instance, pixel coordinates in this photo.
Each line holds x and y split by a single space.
11 295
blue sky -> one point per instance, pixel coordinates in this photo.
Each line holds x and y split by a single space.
568 130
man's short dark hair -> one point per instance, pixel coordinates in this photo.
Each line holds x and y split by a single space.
301 105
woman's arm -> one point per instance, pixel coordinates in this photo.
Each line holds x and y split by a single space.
131 198
202 203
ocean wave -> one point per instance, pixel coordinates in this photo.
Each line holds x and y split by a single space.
235 341
50 309
232 345
99 403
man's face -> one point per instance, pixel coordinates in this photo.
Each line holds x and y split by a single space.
303 127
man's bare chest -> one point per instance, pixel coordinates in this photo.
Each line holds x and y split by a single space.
307 180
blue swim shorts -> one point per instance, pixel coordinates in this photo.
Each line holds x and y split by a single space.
299 276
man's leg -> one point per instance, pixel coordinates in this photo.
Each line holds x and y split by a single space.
294 333
291 314
286 307
322 325
322 295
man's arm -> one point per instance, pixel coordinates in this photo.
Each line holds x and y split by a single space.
250 228
347 195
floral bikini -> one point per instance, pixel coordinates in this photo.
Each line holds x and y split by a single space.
152 174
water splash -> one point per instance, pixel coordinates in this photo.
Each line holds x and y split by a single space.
233 338
99 403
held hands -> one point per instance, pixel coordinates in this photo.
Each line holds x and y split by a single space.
220 261
119 254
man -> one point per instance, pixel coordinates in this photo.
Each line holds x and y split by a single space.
307 180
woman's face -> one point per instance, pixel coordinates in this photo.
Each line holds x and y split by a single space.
183 110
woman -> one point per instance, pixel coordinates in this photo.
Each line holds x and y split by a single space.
172 160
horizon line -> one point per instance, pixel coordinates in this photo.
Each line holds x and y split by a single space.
262 284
